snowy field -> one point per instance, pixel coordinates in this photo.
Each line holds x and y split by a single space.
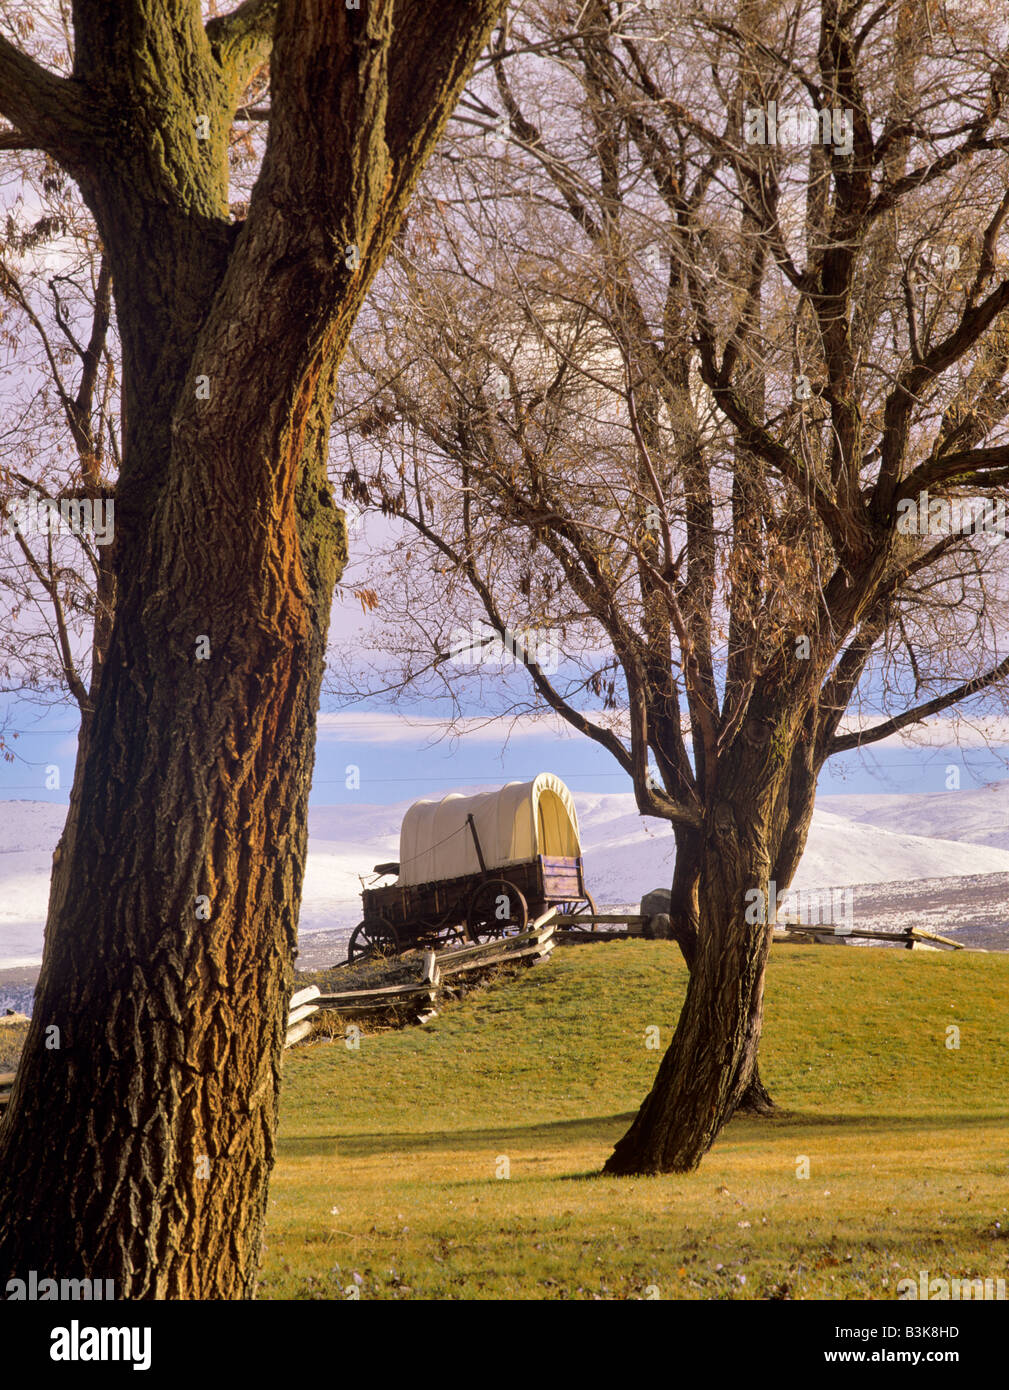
943 857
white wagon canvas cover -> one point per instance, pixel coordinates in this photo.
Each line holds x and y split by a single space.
515 824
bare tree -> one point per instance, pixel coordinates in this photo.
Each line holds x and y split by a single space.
61 445
715 390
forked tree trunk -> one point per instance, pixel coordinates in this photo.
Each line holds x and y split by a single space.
140 1136
700 1080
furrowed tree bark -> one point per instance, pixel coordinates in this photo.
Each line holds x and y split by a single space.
790 822
711 1060
685 918
683 906
173 910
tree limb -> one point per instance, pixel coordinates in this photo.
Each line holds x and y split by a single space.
241 40
62 639
948 466
48 111
14 140
919 713
901 400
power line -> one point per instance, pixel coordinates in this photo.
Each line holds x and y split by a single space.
24 733
24 787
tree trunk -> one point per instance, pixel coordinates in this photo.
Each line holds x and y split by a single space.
711 1061
157 1034
700 1079
684 918
755 1099
683 909
189 832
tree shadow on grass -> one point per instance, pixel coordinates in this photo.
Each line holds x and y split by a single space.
606 1129
549 1133
813 1119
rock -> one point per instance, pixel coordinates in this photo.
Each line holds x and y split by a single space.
658 900
655 909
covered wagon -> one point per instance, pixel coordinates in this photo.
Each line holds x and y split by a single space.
475 867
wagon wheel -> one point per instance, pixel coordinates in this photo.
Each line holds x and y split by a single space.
451 926
375 936
497 908
580 907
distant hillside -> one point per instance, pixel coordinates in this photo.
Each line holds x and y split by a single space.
900 840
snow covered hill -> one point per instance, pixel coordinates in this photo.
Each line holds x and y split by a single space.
980 817
899 840
28 834
857 839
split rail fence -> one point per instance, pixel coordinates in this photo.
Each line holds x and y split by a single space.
910 937
421 998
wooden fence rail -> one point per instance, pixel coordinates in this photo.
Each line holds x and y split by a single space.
905 938
535 943
421 998
302 1007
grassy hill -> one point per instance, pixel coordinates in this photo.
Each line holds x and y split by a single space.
387 1174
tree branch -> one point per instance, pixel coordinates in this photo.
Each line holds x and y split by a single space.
243 39
48 111
14 140
62 639
947 466
901 400
919 713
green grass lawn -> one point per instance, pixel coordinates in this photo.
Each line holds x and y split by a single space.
387 1180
